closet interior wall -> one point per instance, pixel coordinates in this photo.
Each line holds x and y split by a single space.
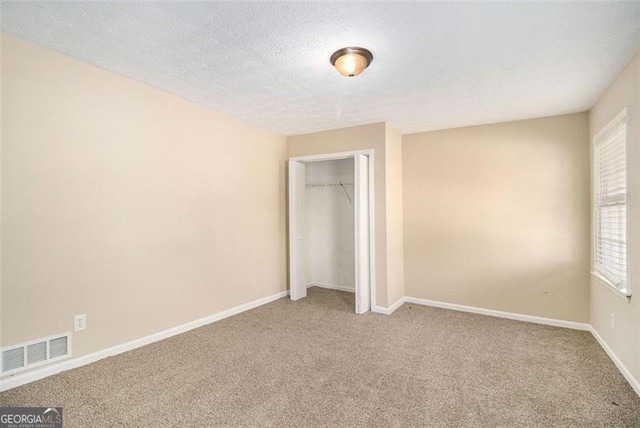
330 224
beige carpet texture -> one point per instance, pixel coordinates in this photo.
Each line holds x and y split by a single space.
314 363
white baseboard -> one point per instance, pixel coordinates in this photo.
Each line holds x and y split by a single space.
37 374
331 287
391 309
500 314
538 320
621 367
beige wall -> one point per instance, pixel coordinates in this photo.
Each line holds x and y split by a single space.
395 245
356 138
496 216
624 339
144 210
138 208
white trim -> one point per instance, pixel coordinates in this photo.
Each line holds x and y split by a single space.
372 205
332 156
380 310
296 229
622 116
629 167
635 384
331 287
500 314
621 367
391 309
372 226
609 286
362 217
17 380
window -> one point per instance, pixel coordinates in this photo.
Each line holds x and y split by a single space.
610 181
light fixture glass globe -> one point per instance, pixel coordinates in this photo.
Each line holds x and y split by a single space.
351 61
351 65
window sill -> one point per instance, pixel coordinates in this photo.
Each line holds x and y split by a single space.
606 284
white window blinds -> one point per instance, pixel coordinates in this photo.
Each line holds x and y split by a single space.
610 180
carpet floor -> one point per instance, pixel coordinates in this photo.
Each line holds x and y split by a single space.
315 363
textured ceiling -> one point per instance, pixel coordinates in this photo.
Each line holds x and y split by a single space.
436 65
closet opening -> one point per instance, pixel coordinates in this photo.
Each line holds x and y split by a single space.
331 238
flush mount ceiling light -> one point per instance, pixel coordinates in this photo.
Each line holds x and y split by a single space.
351 61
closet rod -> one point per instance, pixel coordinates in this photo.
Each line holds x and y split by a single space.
344 189
339 184
328 184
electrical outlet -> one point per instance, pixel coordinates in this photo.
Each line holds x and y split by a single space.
613 321
80 322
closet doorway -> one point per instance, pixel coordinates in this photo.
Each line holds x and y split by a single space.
331 224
